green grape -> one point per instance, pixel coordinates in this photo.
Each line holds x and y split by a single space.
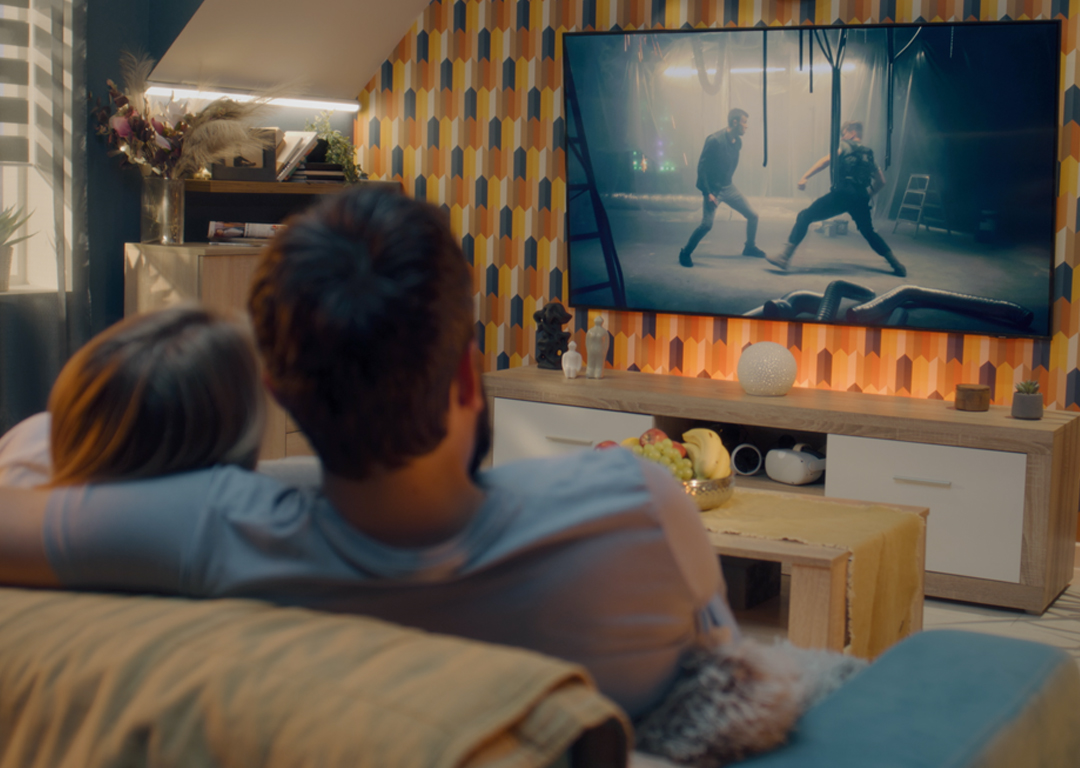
667 455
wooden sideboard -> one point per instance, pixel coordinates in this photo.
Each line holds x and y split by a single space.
219 276
1047 453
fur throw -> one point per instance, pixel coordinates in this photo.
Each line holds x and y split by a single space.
739 699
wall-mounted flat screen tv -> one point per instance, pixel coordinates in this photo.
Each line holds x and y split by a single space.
885 176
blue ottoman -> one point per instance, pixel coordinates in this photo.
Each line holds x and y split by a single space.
950 699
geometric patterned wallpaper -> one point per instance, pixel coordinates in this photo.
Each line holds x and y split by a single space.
467 113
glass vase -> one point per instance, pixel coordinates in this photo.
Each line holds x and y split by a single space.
162 219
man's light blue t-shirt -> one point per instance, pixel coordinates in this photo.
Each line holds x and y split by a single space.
598 558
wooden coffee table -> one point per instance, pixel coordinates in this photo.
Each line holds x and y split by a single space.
817 615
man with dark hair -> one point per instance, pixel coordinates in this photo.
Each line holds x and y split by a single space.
716 166
363 313
363 318
858 180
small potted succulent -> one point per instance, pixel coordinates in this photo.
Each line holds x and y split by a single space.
11 219
1027 401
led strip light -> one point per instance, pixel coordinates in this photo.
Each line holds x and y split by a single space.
167 91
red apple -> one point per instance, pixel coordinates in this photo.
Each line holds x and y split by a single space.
605 445
680 448
654 435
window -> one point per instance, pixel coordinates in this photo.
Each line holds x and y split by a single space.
36 141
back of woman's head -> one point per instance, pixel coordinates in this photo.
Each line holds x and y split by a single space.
157 393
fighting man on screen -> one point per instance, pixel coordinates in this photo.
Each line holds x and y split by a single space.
858 180
719 158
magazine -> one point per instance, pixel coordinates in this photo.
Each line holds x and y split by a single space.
239 230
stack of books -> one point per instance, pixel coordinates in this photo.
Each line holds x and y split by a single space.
292 150
318 172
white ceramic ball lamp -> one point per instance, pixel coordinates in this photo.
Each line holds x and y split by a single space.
766 369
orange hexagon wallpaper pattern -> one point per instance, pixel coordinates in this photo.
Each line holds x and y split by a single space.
468 114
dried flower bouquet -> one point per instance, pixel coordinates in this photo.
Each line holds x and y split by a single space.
171 141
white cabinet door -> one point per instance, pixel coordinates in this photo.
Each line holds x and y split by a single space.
976 498
525 430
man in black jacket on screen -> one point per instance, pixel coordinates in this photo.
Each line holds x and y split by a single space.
719 158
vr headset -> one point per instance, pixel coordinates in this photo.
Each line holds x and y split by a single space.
794 466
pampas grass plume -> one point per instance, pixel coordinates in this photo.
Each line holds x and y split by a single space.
219 130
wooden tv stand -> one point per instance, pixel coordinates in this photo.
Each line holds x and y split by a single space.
1041 538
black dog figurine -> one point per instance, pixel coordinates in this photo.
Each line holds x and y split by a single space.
551 339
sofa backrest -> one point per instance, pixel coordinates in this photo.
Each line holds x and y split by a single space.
102 680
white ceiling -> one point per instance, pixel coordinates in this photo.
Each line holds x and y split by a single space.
317 48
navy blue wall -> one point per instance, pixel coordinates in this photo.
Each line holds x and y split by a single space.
112 194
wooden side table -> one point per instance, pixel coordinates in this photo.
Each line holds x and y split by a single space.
819 600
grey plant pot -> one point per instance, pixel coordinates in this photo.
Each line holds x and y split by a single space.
1027 406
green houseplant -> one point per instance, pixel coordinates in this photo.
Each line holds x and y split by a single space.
1027 401
11 220
339 148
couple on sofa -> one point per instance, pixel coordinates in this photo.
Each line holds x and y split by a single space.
140 477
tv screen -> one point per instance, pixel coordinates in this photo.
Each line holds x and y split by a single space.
885 176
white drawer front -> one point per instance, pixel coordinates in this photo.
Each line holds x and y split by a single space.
975 497
525 430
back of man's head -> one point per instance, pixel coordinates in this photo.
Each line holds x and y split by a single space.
363 310
853 126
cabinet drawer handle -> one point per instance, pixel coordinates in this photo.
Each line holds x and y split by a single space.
923 481
568 440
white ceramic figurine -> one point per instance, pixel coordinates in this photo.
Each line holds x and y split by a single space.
571 361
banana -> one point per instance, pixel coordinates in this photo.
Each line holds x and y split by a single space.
723 465
694 453
707 453
702 451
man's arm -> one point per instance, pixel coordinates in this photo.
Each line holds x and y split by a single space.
22 548
878 183
707 163
817 167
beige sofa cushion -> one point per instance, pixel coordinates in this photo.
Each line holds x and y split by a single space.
93 681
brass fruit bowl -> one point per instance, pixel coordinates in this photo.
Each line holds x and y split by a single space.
708 494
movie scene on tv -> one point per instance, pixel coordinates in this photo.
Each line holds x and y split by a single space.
877 176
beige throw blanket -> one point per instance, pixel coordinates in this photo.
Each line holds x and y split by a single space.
883 572
94 681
